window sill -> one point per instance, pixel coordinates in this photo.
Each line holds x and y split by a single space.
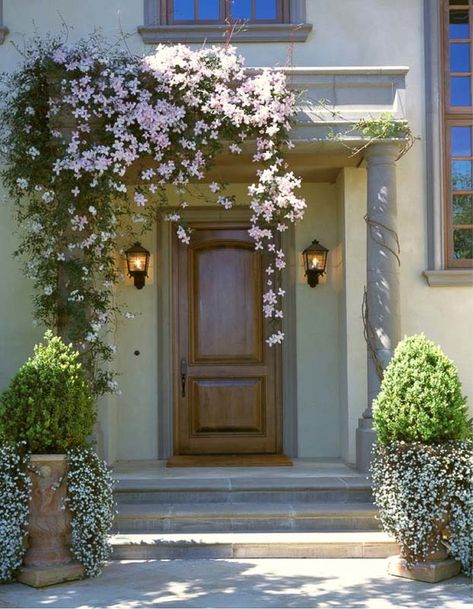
449 278
189 33
3 33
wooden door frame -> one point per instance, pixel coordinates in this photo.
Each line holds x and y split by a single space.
166 301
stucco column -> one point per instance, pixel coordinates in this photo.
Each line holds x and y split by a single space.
381 306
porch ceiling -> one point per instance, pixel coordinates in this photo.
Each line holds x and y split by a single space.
313 161
311 167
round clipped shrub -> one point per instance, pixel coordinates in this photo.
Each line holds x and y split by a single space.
48 403
420 398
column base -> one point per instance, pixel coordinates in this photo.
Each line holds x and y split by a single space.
365 440
39 577
430 571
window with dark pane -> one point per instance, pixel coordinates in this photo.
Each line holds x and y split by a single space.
220 11
458 119
183 10
461 191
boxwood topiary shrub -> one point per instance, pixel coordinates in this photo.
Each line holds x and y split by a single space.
48 403
420 398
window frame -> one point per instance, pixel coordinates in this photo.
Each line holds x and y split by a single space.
453 116
282 10
157 30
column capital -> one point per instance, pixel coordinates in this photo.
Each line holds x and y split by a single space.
383 149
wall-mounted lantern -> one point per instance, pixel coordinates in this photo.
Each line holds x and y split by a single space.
315 262
137 261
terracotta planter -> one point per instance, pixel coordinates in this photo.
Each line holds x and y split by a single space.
48 557
439 565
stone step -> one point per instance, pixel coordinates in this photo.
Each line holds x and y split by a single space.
253 545
227 517
284 489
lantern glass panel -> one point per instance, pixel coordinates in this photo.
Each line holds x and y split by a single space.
136 262
317 260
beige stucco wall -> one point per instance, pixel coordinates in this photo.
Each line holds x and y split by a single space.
317 332
330 351
345 33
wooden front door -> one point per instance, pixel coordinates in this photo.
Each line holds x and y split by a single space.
226 379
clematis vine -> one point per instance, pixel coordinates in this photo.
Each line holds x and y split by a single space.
92 140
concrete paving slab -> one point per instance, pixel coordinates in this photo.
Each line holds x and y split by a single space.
307 583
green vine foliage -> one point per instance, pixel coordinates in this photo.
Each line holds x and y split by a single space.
383 127
48 403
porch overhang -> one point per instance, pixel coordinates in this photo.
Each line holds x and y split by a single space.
331 101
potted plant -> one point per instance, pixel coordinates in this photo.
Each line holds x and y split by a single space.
423 463
46 417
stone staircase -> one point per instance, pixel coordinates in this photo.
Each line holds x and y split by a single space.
309 510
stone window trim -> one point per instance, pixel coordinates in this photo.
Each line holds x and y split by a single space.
3 29
449 278
155 31
437 273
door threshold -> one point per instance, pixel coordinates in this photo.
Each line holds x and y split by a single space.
229 461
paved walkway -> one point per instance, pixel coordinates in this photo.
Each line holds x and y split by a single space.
302 583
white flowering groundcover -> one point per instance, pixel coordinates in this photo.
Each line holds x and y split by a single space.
89 497
15 489
76 118
417 488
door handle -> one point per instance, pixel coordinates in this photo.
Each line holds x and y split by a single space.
183 376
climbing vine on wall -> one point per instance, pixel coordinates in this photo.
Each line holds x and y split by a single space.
79 120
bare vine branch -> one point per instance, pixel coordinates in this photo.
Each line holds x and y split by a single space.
370 336
375 224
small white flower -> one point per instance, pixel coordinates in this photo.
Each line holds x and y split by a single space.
174 217
48 290
140 199
275 338
32 152
48 196
22 183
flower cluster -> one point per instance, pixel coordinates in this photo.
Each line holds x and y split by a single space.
425 497
15 489
92 139
90 499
